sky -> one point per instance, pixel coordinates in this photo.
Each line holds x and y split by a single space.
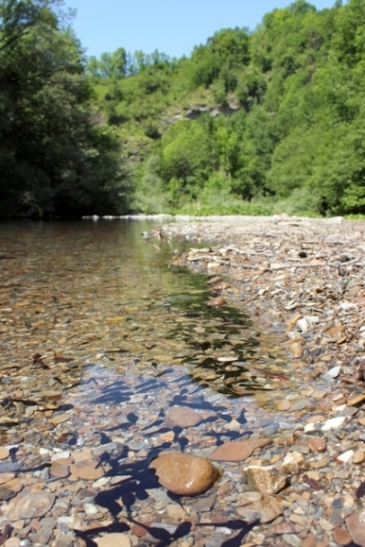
173 27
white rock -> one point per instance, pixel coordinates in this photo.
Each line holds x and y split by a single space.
346 456
347 305
333 423
303 324
101 482
61 455
91 508
312 318
332 373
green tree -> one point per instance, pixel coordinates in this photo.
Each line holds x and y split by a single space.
53 158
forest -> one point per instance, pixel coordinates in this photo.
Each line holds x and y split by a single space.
252 122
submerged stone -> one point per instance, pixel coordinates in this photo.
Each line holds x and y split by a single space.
261 509
31 506
183 416
238 451
184 474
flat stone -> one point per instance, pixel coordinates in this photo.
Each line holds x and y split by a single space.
293 540
283 528
89 470
6 494
113 540
309 541
58 470
64 455
184 474
183 416
319 464
175 511
15 485
33 505
356 400
319 394
60 419
12 542
356 526
4 452
6 477
64 540
264 509
237 451
359 456
282 406
317 444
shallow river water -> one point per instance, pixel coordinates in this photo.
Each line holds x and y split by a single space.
101 336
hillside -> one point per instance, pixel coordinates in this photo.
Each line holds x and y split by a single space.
266 121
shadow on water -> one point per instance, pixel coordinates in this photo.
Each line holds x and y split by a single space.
137 481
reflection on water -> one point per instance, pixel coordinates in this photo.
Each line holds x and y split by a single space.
100 291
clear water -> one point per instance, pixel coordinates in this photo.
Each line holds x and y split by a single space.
100 292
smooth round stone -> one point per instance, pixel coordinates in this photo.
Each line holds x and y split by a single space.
296 349
282 405
341 536
317 444
184 474
359 456
58 470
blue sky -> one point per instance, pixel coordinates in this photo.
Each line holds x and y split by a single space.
173 27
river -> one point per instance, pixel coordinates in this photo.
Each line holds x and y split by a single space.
110 356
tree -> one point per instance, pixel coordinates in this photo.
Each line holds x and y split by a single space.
53 158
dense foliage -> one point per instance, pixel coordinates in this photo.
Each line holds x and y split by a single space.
266 121
252 122
54 158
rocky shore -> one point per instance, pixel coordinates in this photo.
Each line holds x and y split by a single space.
304 280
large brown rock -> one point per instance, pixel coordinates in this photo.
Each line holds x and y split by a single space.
184 474
34 505
238 451
356 527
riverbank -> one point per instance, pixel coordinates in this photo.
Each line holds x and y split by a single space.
303 279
